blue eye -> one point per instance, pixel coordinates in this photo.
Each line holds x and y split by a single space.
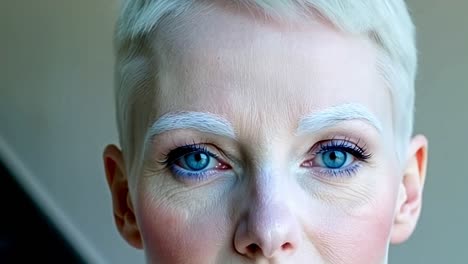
193 162
338 157
335 159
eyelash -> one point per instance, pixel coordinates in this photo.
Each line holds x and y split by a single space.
177 153
345 145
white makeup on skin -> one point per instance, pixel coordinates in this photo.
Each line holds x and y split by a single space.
332 115
214 124
203 122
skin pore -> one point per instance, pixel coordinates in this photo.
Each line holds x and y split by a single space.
268 194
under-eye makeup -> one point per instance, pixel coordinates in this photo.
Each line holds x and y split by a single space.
337 157
193 162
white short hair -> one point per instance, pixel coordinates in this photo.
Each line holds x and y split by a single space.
386 22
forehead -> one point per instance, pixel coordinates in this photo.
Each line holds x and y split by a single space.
230 63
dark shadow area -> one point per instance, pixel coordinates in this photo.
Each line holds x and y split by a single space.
26 235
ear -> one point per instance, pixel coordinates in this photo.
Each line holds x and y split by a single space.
410 192
122 205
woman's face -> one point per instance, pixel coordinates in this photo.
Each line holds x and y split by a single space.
271 144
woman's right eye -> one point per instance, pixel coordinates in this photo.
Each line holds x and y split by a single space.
197 161
194 162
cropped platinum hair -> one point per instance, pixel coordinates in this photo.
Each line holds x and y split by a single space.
385 22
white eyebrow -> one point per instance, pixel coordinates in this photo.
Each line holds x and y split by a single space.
333 115
203 122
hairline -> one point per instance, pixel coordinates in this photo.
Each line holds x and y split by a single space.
142 30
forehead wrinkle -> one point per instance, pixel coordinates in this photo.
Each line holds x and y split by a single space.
331 116
242 70
259 121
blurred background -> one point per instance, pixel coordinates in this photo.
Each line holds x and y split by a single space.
57 114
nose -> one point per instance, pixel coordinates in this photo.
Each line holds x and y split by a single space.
268 229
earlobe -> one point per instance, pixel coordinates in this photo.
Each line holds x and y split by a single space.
409 201
122 205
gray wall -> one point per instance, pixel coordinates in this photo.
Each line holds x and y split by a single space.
57 114
442 114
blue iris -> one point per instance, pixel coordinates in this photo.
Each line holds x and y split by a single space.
334 159
197 160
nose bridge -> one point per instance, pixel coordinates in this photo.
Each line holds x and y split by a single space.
267 187
269 226
269 201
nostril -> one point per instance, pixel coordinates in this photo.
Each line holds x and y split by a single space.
253 249
286 246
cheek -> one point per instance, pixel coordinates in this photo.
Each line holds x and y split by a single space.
174 235
369 232
358 235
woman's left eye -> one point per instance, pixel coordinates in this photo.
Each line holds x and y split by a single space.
337 157
334 159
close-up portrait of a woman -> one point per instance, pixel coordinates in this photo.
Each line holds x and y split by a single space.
233 131
266 131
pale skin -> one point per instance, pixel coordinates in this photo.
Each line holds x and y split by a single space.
269 198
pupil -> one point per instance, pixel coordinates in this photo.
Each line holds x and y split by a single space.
197 161
334 159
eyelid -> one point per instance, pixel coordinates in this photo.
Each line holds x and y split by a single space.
178 151
359 151
210 149
205 175
354 147
186 150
